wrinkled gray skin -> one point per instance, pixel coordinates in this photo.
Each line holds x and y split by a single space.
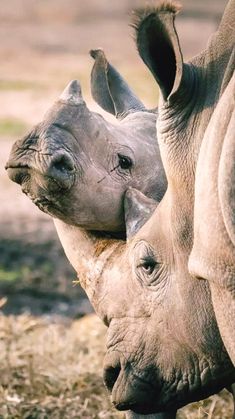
196 124
76 166
164 347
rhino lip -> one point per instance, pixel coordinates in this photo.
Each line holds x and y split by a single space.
16 165
129 389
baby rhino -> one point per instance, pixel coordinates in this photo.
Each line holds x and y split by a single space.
76 156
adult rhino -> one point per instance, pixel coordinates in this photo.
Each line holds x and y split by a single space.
76 165
189 97
164 346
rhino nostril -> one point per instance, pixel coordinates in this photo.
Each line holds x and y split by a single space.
19 175
111 375
62 163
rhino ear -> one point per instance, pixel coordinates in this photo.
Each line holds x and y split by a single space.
110 90
72 94
158 45
138 208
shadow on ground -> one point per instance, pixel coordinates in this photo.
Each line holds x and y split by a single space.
36 278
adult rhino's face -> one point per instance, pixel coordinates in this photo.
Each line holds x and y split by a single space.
76 166
163 346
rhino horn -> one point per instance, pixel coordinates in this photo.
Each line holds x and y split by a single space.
138 209
72 94
110 90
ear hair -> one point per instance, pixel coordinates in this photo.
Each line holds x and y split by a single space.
140 14
158 46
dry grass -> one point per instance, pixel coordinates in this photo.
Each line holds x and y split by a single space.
52 370
55 371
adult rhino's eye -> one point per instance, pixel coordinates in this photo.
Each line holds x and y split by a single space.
148 265
124 162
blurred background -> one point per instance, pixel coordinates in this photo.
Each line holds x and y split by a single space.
51 354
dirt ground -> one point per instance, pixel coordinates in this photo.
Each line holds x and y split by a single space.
43 46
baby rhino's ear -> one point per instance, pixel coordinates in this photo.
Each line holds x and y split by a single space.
110 90
138 209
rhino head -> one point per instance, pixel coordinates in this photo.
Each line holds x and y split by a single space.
164 348
76 166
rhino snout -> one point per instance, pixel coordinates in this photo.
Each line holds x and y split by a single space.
58 168
61 168
18 174
128 390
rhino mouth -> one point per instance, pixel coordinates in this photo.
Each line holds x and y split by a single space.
129 389
56 174
146 390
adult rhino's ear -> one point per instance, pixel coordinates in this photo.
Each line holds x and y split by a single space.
138 208
110 90
158 45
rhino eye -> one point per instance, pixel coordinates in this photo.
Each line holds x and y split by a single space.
124 162
147 265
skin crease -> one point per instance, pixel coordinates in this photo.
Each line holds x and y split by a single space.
144 293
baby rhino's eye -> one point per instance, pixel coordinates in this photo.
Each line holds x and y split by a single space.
124 161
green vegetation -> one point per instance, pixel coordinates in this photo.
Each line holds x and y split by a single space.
12 127
19 85
9 276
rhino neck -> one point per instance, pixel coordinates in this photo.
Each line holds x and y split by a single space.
89 253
